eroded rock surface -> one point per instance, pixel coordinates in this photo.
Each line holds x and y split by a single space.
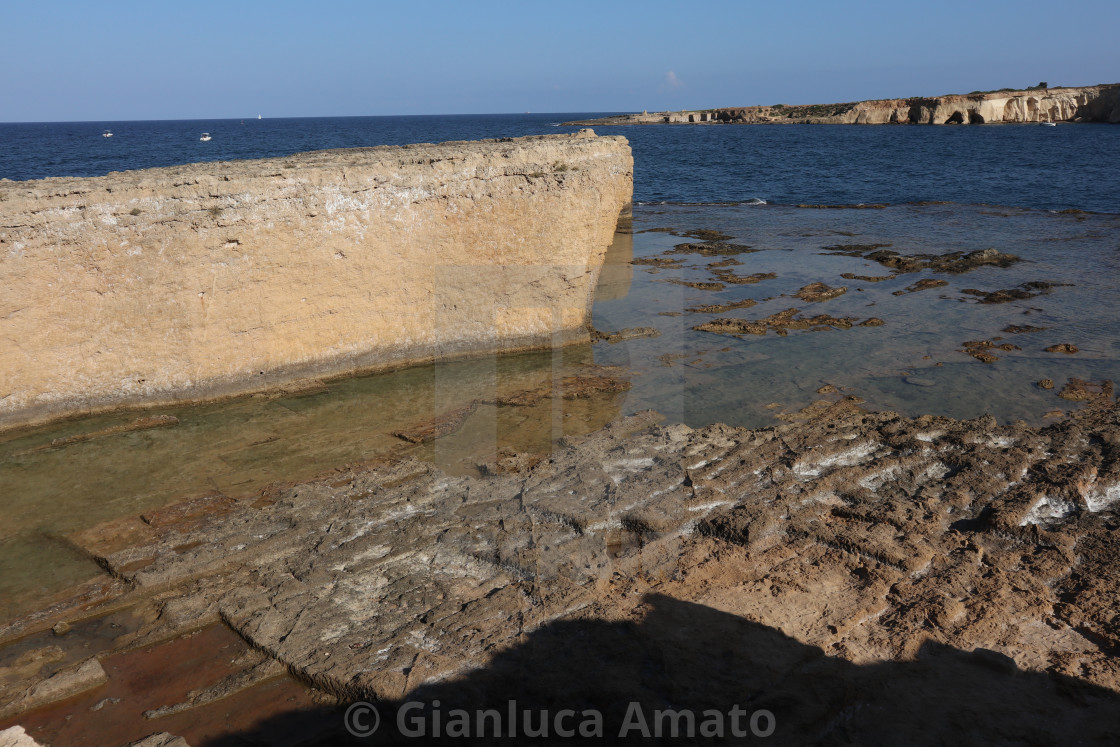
16 737
867 535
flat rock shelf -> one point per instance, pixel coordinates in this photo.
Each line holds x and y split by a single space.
833 558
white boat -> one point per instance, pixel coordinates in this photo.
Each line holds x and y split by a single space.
258 116
1049 124
107 133
205 137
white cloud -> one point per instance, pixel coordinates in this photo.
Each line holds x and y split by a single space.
672 81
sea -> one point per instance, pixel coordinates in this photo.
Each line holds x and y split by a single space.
803 204
1024 166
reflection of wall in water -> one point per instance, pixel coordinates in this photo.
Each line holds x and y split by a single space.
617 272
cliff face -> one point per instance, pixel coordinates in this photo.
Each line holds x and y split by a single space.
1086 104
1094 104
207 280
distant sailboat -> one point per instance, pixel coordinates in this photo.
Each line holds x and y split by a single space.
258 116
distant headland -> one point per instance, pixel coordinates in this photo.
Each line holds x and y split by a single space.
1042 104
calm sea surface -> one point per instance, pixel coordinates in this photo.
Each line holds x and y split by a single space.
937 190
1051 168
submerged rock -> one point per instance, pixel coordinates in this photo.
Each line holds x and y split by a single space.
437 427
866 278
1022 292
664 262
706 234
816 292
720 308
951 262
1079 390
712 249
630 333
978 349
780 323
697 284
729 276
922 285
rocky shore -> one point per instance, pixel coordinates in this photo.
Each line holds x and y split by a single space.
208 280
847 577
859 575
1077 104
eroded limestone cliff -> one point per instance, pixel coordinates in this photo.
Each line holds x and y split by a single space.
213 279
1084 104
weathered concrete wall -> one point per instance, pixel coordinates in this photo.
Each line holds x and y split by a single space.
209 280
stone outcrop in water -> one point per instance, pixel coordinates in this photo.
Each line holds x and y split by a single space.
208 280
1082 104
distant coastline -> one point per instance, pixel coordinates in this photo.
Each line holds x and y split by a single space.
1100 103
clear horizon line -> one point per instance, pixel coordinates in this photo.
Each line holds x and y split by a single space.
309 116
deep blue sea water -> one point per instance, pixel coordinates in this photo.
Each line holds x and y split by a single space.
1052 168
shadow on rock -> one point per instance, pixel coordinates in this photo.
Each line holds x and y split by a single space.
685 672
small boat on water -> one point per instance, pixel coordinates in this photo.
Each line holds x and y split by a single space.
107 133
1049 124
205 137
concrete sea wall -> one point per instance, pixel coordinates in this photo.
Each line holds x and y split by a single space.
209 280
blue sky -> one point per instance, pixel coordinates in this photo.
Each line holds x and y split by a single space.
186 60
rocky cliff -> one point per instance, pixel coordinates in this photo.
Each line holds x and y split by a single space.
208 280
1086 104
